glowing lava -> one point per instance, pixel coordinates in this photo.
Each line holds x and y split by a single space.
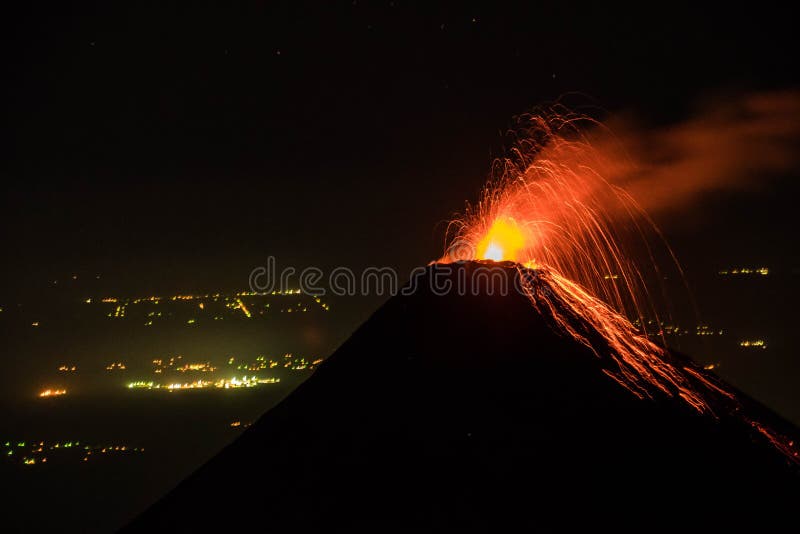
503 242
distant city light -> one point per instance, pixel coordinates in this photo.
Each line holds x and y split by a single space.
763 271
201 367
140 384
41 452
705 330
239 424
223 383
218 306
53 392
753 343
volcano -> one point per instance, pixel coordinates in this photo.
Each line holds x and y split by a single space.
470 410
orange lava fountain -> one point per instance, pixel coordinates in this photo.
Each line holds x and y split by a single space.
588 258
550 206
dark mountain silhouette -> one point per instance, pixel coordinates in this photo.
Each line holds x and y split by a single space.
472 412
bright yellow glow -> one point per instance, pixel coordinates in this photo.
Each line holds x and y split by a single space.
503 242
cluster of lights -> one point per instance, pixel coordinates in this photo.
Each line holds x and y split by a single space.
175 364
704 330
52 392
110 449
234 302
239 424
223 383
160 366
753 344
201 367
260 364
37 452
141 385
673 330
763 271
197 384
289 361
660 329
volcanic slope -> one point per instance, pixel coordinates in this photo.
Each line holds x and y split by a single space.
473 412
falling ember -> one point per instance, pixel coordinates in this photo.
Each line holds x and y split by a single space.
589 259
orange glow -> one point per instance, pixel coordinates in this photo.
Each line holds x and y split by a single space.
503 241
596 264
53 392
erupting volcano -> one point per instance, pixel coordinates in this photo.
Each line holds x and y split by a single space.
499 405
587 255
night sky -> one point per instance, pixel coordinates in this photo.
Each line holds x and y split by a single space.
176 148
188 144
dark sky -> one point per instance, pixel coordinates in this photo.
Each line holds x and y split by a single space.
178 147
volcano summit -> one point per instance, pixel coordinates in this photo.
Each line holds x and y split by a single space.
475 411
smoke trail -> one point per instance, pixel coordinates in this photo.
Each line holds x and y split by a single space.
735 144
